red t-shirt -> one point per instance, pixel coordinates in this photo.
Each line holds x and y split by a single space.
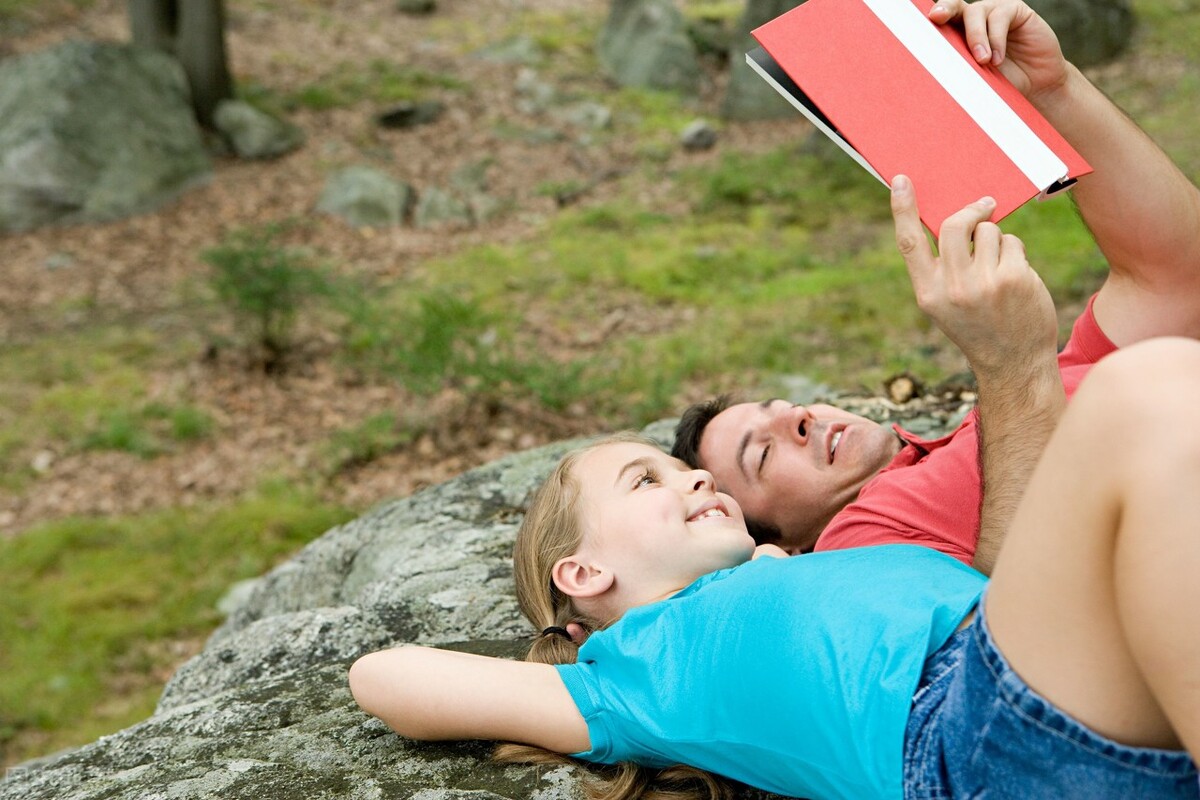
930 492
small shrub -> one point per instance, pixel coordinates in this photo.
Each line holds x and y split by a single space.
265 286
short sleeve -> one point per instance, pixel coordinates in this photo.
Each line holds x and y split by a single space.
581 686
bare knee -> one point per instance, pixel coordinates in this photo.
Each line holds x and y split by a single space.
1155 378
1144 400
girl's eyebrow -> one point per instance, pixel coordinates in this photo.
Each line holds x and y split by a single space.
642 463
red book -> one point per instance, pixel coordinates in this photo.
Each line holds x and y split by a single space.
904 96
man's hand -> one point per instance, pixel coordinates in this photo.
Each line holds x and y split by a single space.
1011 36
983 294
980 291
770 551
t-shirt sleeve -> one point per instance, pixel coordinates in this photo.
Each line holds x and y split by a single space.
1088 343
581 686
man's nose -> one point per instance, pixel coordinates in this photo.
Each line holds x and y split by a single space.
795 424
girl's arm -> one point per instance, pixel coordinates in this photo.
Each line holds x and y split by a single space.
424 693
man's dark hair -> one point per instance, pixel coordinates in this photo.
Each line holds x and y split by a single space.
688 434
690 429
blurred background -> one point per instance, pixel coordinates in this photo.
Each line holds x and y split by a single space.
286 260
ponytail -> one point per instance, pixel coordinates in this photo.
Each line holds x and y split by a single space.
552 530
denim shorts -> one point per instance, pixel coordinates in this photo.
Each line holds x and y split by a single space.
977 731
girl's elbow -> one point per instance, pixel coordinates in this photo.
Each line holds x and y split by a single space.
366 683
379 683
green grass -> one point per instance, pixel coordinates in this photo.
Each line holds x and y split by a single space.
88 602
377 81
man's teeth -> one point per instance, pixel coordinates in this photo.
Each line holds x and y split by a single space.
833 443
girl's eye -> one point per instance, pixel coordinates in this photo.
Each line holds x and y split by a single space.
645 479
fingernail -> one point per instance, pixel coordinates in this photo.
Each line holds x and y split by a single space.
987 201
938 9
981 52
997 57
899 184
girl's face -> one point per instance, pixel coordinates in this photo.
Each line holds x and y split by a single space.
655 522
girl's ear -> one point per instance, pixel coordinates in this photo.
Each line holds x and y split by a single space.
575 576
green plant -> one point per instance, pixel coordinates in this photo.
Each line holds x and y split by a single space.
265 285
365 442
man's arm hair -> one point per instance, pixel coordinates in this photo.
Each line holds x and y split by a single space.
1017 414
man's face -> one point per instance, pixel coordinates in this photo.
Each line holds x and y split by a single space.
794 467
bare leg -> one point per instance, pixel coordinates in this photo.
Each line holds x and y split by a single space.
1095 599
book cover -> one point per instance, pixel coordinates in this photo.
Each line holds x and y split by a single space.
902 95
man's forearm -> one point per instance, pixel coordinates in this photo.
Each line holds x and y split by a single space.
1017 414
1143 212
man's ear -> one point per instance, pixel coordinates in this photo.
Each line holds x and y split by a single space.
576 576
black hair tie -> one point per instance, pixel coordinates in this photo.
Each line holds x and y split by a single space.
554 629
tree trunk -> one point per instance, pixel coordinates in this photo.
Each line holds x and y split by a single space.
200 47
152 23
194 32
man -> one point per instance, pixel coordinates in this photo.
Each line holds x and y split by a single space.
820 478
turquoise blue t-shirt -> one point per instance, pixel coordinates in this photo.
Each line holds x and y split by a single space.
794 675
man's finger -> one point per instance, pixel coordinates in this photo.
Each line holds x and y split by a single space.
999 21
975 26
954 239
945 10
987 244
910 234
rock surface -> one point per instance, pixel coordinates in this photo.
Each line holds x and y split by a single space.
264 710
91 132
254 133
365 197
645 44
1090 32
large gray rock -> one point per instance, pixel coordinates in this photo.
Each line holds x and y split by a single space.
1090 32
645 44
264 710
93 132
748 96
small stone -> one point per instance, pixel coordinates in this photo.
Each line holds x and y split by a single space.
416 6
698 135
42 461
410 115
255 134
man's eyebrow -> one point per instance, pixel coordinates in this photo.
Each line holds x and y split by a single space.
742 445
741 456
637 463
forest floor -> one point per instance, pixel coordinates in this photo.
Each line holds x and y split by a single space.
138 272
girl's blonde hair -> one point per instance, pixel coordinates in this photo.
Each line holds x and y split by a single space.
553 529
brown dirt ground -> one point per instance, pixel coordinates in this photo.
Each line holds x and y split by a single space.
138 269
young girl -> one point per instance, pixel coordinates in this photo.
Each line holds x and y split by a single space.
859 673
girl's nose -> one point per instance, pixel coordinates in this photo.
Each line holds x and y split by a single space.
701 479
